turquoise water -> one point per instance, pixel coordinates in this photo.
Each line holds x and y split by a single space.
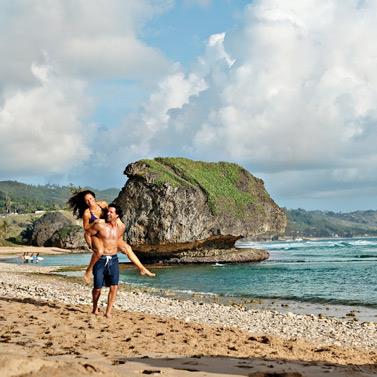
336 271
341 271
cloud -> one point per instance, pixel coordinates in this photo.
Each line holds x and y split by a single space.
53 52
293 90
290 93
41 129
99 40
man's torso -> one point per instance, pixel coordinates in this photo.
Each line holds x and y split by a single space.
109 236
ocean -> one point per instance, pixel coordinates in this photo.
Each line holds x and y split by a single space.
325 271
334 271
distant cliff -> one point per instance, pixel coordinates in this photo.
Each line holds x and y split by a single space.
176 204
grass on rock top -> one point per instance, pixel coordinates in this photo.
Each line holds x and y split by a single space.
220 181
164 174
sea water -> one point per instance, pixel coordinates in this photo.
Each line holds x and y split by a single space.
334 271
331 271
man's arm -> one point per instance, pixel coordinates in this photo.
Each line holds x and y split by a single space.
95 227
126 249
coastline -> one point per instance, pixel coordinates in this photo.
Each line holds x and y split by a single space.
339 310
18 250
148 329
283 306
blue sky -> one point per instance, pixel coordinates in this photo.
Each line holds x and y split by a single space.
181 34
286 89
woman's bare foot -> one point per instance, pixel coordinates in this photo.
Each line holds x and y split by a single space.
146 272
87 276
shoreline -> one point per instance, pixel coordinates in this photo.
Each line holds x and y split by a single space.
46 319
18 250
338 310
333 310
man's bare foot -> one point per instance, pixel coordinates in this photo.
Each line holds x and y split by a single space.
87 276
146 272
108 315
96 311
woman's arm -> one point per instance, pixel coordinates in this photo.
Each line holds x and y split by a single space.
88 227
103 204
85 220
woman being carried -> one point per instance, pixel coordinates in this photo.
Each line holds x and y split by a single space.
85 206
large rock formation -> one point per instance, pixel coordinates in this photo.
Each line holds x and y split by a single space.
46 226
173 205
55 229
69 237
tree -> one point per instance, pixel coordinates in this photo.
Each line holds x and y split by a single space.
8 204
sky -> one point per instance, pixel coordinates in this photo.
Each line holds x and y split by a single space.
287 89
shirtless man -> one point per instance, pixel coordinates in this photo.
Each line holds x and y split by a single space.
106 269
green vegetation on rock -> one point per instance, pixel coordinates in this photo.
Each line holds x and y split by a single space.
67 230
163 174
222 182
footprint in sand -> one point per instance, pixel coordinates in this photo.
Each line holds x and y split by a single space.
119 361
150 371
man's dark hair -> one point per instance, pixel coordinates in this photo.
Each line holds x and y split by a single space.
118 210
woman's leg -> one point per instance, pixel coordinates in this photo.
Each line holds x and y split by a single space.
97 248
88 239
126 249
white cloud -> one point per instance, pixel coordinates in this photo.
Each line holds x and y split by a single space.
52 51
291 94
144 130
41 128
97 39
295 89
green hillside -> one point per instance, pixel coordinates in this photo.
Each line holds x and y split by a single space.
24 198
303 223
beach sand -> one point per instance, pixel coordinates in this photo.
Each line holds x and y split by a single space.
47 330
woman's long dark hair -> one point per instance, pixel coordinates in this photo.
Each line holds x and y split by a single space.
77 202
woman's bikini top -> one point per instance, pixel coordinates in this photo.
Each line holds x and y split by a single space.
93 217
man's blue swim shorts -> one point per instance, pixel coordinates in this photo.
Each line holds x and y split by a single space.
106 271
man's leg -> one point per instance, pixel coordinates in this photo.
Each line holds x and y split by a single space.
98 280
96 293
112 280
111 299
